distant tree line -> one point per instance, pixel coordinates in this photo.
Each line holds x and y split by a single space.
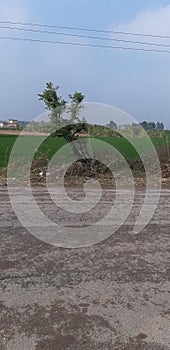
110 130
152 126
91 130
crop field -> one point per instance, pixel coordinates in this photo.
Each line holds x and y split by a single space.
49 146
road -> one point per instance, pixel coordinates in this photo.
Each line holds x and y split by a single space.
112 295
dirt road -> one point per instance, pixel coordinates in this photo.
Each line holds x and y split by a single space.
113 295
27 133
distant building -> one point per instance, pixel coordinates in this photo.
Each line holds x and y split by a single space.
124 126
12 124
1 124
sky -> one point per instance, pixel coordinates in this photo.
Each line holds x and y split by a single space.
137 82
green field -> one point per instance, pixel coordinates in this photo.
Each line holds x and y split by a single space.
27 145
51 145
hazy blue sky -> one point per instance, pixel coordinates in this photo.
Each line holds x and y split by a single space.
137 82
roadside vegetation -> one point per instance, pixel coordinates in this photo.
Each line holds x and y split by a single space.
51 145
62 130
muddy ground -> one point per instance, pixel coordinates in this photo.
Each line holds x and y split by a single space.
112 295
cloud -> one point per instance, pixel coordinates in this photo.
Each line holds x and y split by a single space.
144 77
154 22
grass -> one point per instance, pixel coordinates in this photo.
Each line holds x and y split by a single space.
28 145
126 148
51 145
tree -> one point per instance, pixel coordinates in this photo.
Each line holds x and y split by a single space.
144 125
76 105
159 126
55 103
68 129
151 126
112 125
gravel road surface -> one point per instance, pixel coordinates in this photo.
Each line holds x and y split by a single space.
112 295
